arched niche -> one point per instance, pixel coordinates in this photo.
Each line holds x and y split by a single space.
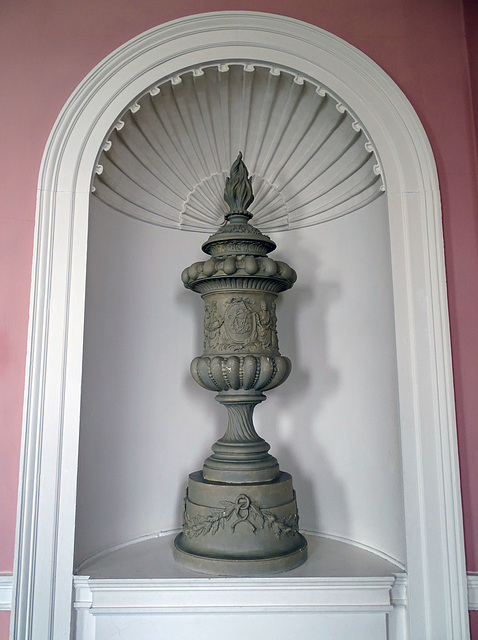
429 471
159 182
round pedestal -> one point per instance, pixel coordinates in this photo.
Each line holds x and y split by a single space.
240 530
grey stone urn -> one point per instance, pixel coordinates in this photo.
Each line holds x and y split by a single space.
240 513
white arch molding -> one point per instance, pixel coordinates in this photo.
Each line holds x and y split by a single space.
46 511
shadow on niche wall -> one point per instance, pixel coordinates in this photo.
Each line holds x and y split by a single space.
291 412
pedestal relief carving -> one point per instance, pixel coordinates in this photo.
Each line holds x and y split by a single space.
240 512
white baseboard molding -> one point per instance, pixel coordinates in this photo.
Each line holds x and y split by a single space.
472 579
6 591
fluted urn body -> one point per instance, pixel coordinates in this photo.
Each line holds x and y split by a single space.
239 284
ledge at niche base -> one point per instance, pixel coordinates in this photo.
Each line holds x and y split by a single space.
143 578
151 558
145 572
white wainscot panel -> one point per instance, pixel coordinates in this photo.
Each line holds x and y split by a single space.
234 627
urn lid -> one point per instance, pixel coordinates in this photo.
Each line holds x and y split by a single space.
236 236
238 250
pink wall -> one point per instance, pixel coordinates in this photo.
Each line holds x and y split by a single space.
47 47
471 33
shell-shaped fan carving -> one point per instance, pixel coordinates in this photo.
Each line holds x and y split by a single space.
167 158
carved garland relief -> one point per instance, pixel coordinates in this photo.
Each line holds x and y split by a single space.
241 510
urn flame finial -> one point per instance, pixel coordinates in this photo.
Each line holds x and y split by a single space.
238 191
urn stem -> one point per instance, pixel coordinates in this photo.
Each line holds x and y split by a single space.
241 455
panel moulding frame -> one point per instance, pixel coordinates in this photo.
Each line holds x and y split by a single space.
46 508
